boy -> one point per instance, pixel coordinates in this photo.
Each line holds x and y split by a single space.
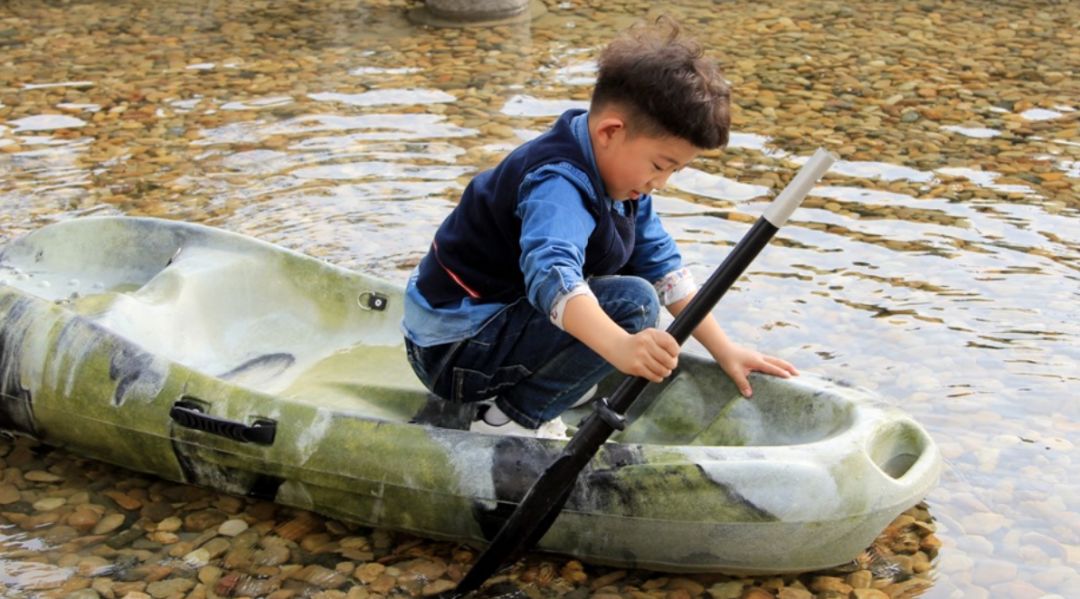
552 268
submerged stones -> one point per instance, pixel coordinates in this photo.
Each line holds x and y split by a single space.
262 550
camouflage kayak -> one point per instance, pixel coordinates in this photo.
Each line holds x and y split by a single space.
215 359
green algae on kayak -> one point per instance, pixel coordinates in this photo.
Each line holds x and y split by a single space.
215 359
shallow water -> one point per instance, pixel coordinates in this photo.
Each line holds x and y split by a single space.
937 264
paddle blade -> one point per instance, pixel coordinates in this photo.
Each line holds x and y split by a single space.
540 506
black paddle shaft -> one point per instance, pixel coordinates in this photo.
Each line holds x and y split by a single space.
545 499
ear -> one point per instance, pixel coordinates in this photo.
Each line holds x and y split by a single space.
608 128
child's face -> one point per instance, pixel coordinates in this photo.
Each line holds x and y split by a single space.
634 165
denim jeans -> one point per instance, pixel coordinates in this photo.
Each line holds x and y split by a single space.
534 370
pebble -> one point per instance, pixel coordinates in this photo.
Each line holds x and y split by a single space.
108 523
48 504
170 524
368 573
726 590
170 587
203 520
197 558
124 500
40 476
8 494
231 528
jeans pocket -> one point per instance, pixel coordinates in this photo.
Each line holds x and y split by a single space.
474 385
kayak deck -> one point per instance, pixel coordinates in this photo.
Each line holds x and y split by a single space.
247 314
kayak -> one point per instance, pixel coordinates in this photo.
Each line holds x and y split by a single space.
210 358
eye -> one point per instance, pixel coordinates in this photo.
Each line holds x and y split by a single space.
657 167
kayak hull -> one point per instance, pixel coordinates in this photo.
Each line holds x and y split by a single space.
210 358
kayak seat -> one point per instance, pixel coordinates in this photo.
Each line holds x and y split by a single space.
237 316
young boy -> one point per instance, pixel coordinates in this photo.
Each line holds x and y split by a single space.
552 268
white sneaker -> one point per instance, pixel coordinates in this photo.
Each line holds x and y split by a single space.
585 398
552 429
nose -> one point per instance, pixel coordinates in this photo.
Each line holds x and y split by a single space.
659 181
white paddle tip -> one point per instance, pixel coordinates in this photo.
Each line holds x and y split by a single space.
796 191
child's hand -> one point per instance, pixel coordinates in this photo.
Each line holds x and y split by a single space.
738 362
651 354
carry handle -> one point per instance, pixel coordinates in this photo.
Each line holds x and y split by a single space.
190 414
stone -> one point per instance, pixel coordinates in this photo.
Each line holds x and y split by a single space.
216 547
156 510
163 589
40 476
726 590
197 558
108 524
382 584
231 528
123 500
49 504
982 523
821 584
794 593
170 524
93 565
209 575
9 494
461 12
427 568
368 573
692 587
84 518
606 579
203 520
319 576
860 579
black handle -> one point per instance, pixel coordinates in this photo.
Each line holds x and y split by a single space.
189 414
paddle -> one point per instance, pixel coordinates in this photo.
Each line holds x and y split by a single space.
545 499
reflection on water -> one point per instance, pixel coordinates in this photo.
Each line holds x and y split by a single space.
937 263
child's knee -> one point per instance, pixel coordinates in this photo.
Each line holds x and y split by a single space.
630 301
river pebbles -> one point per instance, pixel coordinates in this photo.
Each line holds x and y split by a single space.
282 552
936 263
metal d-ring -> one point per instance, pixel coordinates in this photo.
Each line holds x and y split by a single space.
372 300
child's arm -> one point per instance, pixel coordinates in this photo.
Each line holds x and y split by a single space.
736 360
651 354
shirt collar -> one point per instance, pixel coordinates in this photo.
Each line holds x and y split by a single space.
579 125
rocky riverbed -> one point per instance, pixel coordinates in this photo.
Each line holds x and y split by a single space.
82 530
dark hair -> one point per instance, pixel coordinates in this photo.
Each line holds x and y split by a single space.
666 85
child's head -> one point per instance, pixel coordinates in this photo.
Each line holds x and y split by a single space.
664 85
656 105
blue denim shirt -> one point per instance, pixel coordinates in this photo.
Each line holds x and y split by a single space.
555 229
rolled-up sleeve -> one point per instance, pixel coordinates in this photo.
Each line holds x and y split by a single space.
555 229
